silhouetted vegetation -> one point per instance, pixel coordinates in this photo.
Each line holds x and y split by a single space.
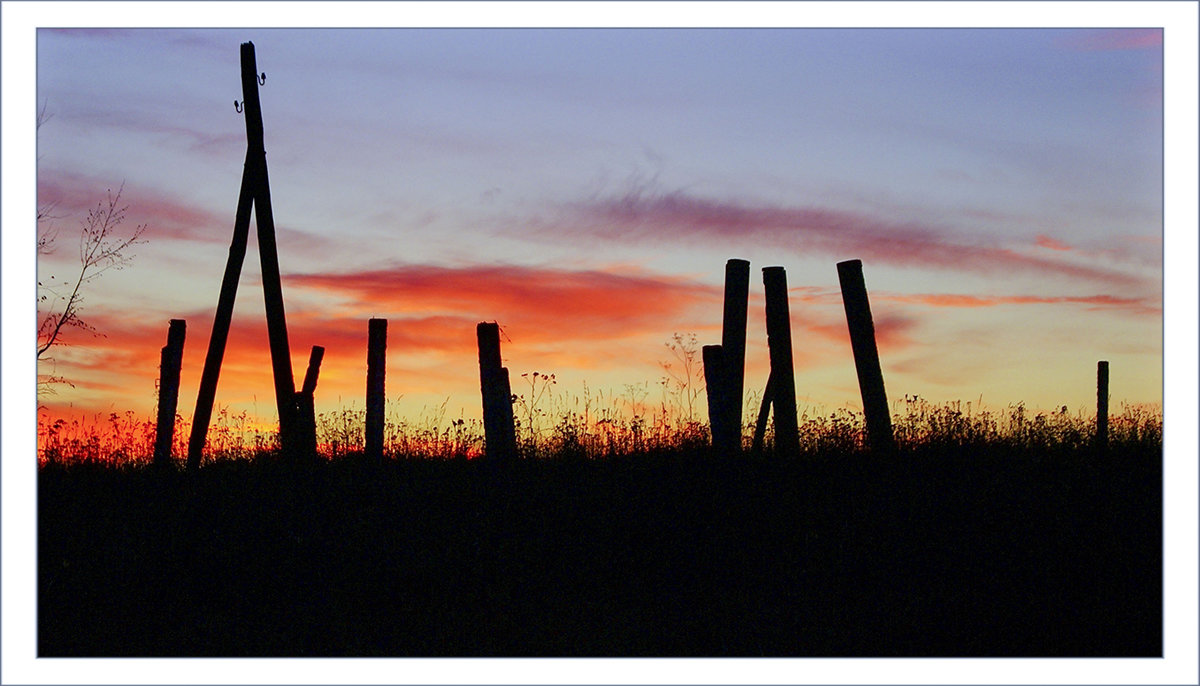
986 533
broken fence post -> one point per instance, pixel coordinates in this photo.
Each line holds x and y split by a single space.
733 341
168 391
1102 404
725 435
866 356
306 414
779 344
499 434
376 362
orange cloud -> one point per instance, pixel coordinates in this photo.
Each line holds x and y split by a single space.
588 319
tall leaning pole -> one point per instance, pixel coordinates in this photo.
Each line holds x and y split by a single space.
255 194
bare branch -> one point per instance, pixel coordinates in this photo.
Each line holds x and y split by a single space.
100 249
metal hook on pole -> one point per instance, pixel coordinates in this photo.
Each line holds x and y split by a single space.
262 79
237 106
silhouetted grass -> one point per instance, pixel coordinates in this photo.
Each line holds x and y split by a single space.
593 427
988 533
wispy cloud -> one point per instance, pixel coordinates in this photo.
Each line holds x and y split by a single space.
668 218
1140 306
1116 39
72 195
1052 244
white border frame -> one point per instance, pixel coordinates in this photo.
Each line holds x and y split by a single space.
18 468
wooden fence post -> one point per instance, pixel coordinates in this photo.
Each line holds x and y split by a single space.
499 434
733 342
1102 404
866 356
376 361
168 391
306 414
779 343
725 435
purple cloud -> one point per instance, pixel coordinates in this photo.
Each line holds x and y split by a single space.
665 218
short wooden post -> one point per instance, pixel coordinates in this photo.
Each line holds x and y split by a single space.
499 434
725 439
306 416
1102 404
866 356
779 344
376 361
733 341
168 391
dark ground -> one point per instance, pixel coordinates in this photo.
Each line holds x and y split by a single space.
940 553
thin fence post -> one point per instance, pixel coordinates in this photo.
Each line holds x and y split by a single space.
221 321
725 438
306 417
376 362
1102 404
866 356
764 412
168 391
779 344
499 434
733 342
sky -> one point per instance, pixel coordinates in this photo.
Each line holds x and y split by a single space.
584 188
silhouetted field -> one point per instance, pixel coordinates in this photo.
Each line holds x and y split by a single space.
946 549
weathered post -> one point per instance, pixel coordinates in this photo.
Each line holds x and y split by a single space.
733 341
725 438
306 414
866 356
168 391
1102 404
376 361
779 344
499 434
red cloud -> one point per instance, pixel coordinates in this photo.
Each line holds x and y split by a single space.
672 217
1048 242
539 303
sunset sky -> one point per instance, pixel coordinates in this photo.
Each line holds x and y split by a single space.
584 188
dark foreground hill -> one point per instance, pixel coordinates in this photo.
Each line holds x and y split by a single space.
934 553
